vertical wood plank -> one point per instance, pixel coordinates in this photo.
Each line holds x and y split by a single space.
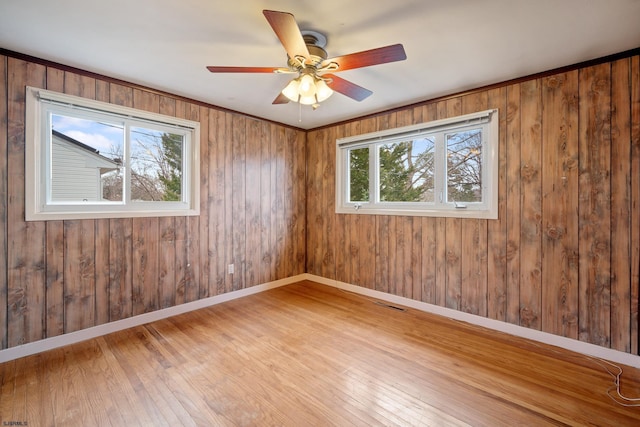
429 231
441 238
25 241
417 236
530 166
496 277
274 144
385 272
300 213
120 240
55 247
339 242
382 253
194 289
454 237
79 273
395 275
217 241
594 205
404 224
229 222
101 259
560 205
327 199
3 201
102 233
354 275
79 243
203 259
167 238
289 202
367 242
238 200
145 237
266 192
474 249
182 272
620 206
513 197
635 204
254 138
316 158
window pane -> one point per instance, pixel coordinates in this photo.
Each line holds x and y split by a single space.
406 171
464 166
156 165
359 175
86 160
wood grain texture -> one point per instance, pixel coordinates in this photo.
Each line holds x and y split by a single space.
55 247
555 264
4 200
513 207
560 152
26 273
307 354
635 203
568 168
620 205
498 290
64 276
120 240
530 167
595 205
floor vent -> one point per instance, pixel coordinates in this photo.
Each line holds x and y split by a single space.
393 307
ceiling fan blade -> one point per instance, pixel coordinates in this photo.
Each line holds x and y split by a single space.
215 69
286 28
281 99
347 88
367 58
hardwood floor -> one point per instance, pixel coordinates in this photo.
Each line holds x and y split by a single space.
310 355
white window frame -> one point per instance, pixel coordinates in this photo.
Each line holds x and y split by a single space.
40 104
487 209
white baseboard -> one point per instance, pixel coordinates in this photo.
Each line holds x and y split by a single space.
519 331
118 325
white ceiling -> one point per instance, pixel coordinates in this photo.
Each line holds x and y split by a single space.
451 45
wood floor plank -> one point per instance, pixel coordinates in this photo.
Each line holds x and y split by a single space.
308 354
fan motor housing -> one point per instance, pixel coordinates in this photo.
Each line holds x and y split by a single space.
315 42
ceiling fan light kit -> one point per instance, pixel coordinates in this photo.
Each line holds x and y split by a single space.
307 57
308 89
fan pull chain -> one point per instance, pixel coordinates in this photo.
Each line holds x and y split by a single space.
299 113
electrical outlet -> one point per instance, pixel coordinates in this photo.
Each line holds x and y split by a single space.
230 268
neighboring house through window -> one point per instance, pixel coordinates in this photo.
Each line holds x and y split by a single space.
92 159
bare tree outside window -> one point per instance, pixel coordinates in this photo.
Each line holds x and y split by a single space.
156 165
464 166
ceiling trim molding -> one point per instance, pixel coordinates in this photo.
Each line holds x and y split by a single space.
597 61
559 70
80 71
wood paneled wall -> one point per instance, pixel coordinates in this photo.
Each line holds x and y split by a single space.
62 276
563 257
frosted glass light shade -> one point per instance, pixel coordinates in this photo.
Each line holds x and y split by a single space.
291 91
307 90
323 91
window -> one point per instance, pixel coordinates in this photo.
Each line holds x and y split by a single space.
97 160
443 168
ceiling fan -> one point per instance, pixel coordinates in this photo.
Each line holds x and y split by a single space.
316 80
